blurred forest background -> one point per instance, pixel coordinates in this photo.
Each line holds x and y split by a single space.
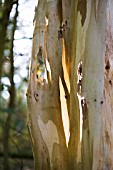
16 30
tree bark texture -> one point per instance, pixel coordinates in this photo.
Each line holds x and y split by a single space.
76 43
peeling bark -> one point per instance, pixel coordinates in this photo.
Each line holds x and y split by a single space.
46 119
73 45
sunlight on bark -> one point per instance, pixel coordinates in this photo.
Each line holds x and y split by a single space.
65 117
47 21
66 75
71 103
48 71
80 107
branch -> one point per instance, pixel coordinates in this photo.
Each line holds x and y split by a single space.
18 156
29 38
21 162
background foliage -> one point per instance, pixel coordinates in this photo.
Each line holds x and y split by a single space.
16 30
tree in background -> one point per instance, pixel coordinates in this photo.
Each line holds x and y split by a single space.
6 9
74 39
6 128
12 107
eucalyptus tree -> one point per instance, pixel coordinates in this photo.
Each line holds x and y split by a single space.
70 105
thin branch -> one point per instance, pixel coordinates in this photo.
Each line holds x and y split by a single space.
28 38
21 162
18 156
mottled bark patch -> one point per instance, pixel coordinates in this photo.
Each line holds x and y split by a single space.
82 7
107 138
107 67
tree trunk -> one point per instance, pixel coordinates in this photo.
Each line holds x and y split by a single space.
4 20
11 106
69 110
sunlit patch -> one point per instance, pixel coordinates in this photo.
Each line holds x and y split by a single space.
48 71
5 81
48 65
23 72
47 21
5 95
81 121
79 88
65 117
66 74
17 79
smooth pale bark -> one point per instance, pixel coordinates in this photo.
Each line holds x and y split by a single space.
81 73
91 40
